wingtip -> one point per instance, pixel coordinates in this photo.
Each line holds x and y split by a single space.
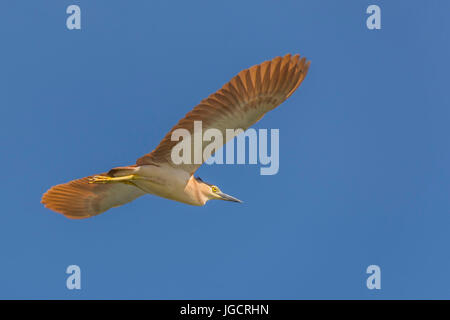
48 205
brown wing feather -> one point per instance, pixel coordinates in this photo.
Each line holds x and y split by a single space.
238 104
79 199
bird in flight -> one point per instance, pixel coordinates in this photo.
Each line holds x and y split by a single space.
237 105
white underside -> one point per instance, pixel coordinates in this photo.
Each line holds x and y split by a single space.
165 181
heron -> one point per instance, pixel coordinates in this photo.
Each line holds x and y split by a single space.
239 104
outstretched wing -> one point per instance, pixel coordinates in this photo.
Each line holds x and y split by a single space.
80 199
237 105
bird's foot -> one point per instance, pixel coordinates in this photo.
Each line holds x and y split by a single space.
100 179
108 179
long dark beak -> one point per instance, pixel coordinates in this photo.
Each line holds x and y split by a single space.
226 197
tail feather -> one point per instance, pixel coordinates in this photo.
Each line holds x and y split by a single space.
80 199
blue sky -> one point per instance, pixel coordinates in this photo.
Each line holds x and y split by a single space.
364 150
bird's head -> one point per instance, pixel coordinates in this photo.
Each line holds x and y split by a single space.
214 193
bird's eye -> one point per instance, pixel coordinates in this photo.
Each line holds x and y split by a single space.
214 189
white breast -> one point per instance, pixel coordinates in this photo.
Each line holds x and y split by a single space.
165 181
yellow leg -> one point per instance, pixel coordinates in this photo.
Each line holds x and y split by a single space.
107 179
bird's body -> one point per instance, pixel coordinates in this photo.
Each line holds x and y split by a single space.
170 183
237 105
